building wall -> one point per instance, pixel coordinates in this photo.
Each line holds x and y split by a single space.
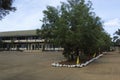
25 43
118 49
21 43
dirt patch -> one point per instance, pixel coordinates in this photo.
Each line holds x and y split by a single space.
68 62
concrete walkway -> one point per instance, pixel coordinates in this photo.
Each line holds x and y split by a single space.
37 66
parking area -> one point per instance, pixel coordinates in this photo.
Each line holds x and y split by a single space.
37 66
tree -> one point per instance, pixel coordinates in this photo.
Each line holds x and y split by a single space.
6 7
74 27
116 39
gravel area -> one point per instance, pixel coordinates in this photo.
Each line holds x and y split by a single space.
37 66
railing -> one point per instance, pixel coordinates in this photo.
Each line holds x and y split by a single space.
15 41
56 49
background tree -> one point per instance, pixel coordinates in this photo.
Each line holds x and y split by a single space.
6 7
116 39
74 27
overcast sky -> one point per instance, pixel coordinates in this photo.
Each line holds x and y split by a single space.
29 13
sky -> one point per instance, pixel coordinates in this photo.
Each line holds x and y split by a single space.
30 12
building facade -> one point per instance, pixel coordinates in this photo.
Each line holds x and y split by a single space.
24 40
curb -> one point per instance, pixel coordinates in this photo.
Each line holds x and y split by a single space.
77 65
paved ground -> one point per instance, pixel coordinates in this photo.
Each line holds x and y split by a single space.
37 66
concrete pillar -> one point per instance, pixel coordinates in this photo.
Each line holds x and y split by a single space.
27 46
38 46
30 46
34 46
15 47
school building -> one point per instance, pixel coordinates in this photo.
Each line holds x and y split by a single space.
26 40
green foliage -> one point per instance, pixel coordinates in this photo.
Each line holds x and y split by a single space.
116 38
6 7
74 27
